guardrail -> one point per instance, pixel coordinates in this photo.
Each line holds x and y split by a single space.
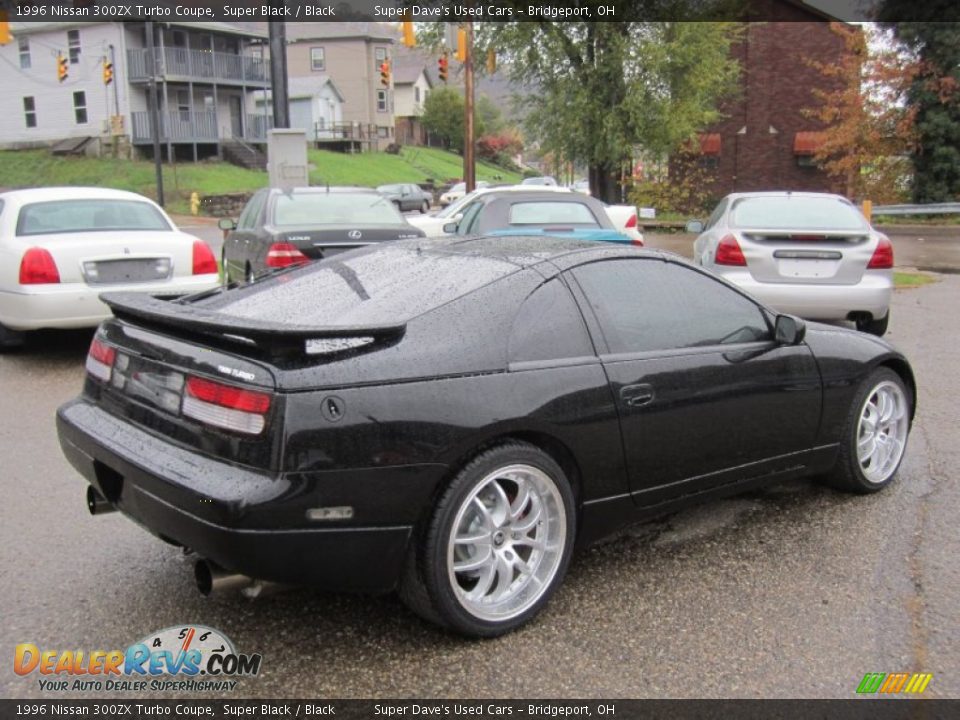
951 208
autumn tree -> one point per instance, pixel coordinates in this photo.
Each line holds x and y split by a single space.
934 93
869 127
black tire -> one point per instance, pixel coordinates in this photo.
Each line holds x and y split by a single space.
433 591
849 474
10 339
874 326
425 208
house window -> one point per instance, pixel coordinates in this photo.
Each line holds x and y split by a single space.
80 107
30 112
183 105
806 161
73 43
381 100
381 55
317 59
416 95
24 45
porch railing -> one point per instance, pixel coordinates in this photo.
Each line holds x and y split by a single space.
202 65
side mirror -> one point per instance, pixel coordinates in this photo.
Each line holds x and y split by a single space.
694 226
789 330
450 228
227 224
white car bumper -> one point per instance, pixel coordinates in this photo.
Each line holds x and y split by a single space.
77 305
821 301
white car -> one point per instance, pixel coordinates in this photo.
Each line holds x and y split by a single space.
458 191
61 247
624 217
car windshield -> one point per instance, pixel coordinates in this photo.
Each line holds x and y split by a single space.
90 215
458 188
796 213
551 213
300 209
455 207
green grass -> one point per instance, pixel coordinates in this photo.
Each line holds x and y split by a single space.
33 168
903 280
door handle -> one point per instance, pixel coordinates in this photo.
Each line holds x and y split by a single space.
637 395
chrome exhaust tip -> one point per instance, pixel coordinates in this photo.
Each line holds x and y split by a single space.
214 580
97 504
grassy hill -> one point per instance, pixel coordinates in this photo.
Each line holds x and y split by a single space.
32 168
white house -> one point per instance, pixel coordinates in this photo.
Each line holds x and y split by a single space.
208 75
411 87
316 105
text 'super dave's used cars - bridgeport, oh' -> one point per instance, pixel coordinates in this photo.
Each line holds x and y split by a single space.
451 418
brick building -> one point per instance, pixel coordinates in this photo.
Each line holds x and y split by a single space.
766 142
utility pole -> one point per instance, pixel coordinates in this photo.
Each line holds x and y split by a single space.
278 74
469 165
154 108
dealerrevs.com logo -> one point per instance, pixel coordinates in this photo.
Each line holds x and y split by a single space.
189 658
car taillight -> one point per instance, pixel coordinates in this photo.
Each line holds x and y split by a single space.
729 252
38 268
284 254
100 360
632 222
883 256
226 406
204 263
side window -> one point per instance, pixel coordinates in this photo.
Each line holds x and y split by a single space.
471 219
649 305
717 214
549 326
251 213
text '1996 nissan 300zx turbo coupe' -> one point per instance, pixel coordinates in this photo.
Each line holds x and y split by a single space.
450 418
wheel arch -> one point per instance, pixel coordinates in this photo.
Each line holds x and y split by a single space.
902 368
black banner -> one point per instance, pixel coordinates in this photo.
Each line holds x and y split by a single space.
463 10
859 709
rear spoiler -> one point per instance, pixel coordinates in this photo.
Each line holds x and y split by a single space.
271 337
783 232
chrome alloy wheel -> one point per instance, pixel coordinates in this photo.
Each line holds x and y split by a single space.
507 542
882 431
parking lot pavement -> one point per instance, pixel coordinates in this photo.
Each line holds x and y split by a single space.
795 591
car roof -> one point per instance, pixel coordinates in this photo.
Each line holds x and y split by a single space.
785 193
322 189
66 192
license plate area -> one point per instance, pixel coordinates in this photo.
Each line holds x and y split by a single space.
134 270
807 265
148 382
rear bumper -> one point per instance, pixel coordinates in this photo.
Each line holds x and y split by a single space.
77 305
821 302
227 514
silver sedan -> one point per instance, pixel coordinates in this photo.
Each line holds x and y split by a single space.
808 254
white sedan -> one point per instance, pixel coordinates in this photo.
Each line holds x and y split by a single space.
61 247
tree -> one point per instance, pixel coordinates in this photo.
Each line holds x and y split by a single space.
604 88
443 116
869 127
934 93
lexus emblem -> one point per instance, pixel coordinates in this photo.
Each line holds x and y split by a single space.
354 234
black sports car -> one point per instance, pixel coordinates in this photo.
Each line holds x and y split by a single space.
279 228
451 418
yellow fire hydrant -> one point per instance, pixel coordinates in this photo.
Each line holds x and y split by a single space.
194 203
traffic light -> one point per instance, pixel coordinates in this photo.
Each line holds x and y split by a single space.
409 39
5 35
443 67
385 73
462 45
107 72
63 67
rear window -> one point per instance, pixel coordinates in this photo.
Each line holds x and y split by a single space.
387 284
299 209
551 213
797 213
71 216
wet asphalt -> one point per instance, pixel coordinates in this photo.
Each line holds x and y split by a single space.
795 591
